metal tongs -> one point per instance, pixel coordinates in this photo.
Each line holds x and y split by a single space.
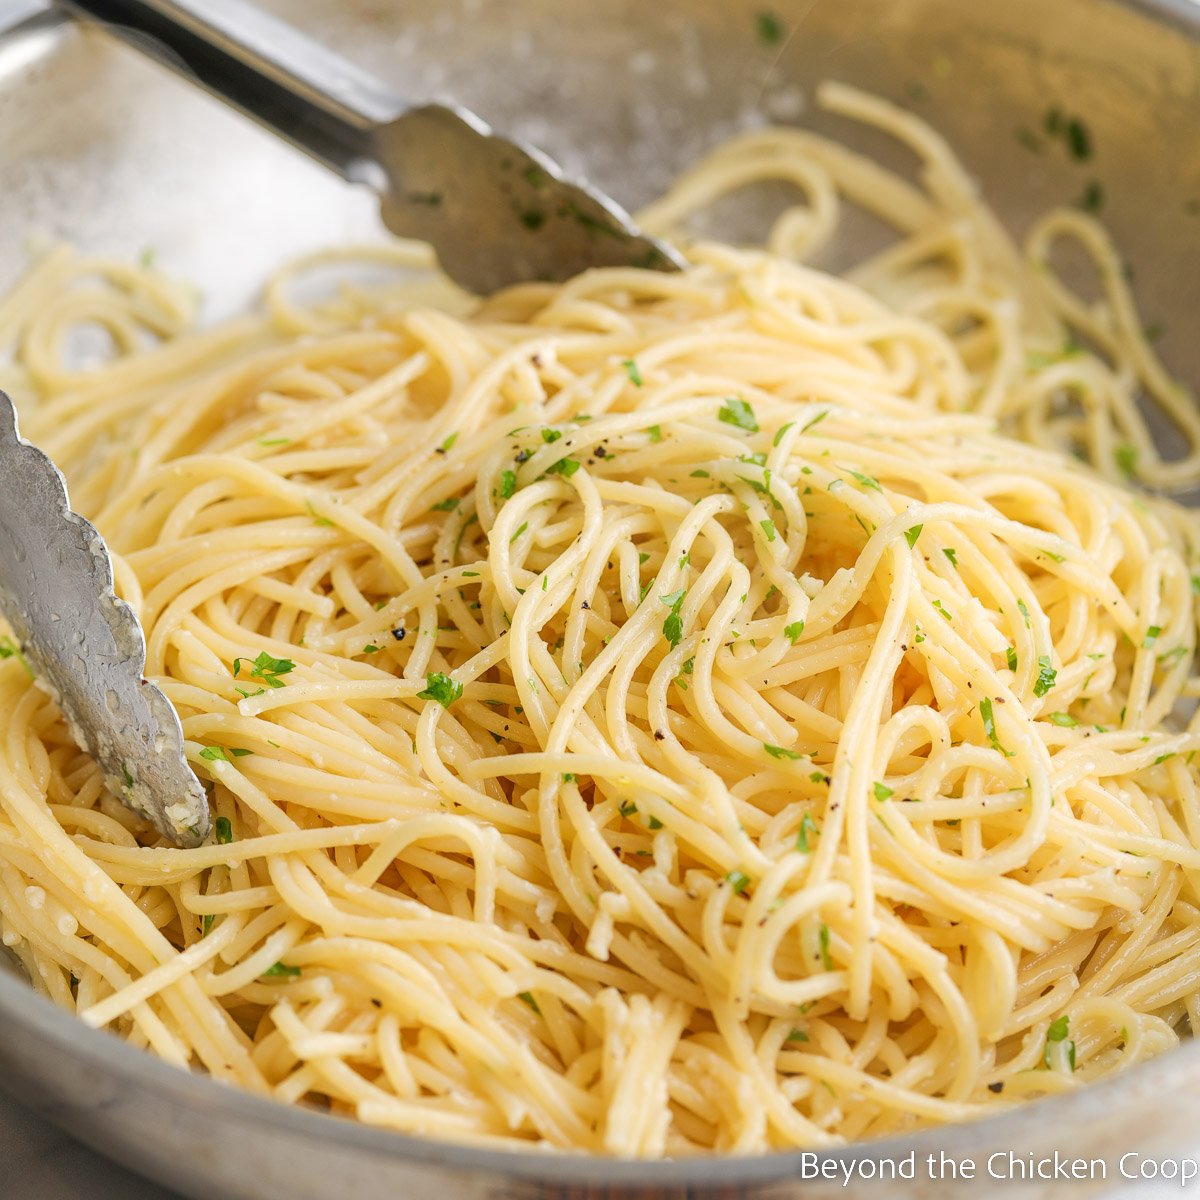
496 212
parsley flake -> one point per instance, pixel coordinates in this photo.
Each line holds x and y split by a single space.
735 411
266 668
781 752
281 971
441 688
739 881
1046 676
804 835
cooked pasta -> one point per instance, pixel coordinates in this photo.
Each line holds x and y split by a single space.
652 715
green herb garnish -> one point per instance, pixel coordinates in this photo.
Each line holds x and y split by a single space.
769 28
739 881
673 625
266 668
804 835
441 688
1046 676
281 971
781 752
221 754
989 726
735 411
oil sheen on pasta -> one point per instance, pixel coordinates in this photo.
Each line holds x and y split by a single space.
653 715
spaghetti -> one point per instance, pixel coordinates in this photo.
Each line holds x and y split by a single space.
653 715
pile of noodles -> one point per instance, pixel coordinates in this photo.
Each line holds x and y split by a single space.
657 714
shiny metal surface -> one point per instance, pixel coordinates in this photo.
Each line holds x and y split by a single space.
97 146
496 211
56 591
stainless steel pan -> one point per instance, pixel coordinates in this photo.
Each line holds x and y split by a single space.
101 148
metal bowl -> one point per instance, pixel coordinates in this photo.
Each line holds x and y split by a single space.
100 148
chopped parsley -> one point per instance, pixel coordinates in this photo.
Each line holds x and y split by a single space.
635 375
1125 456
508 484
527 998
265 667
781 752
655 433
769 28
768 527
911 535
797 1035
944 611
882 792
224 828
804 835
814 420
551 435
735 411
1023 611
793 631
1151 637
1046 676
317 518
1071 131
448 444
441 688
1092 198
10 649
565 467
1011 655
1059 1028
989 726
781 431
673 625
1064 719
221 754
447 505
952 555
867 481
739 881
281 971
823 942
